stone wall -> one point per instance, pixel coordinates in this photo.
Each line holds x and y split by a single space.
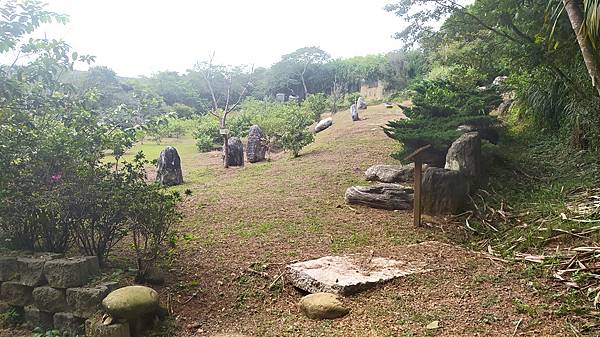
52 292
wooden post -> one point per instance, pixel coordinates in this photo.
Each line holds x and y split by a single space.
417 195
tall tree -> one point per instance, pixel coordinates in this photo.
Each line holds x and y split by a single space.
301 62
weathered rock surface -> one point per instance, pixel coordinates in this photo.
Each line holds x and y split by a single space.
348 274
384 196
354 112
15 293
85 302
324 124
69 324
95 328
71 272
391 173
235 155
34 318
50 299
256 150
8 268
465 155
361 103
31 271
444 191
323 306
169 171
131 302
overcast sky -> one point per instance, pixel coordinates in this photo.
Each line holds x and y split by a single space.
139 37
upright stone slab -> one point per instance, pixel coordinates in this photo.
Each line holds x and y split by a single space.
444 191
383 196
15 293
50 299
256 150
354 112
69 324
169 171
31 270
361 103
71 272
34 318
235 155
85 302
348 274
465 155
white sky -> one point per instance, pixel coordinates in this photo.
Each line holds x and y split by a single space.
137 37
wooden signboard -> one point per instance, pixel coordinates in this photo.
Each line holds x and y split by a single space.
417 158
224 132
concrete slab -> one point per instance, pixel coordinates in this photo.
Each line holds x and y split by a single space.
345 275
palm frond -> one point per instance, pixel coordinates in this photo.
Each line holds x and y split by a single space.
591 22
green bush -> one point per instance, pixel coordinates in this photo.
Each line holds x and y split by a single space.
204 143
351 98
207 133
239 123
315 105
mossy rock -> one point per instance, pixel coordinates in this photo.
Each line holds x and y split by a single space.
131 302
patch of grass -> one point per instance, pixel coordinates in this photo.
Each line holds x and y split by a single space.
523 308
252 230
356 239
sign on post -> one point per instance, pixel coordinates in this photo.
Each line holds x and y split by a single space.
224 132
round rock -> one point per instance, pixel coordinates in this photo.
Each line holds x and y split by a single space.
131 302
323 306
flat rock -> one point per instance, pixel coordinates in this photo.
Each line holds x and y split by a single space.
348 274
323 306
391 173
383 196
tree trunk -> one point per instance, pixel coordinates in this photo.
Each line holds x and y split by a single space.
575 14
225 144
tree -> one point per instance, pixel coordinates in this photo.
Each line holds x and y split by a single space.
299 66
227 87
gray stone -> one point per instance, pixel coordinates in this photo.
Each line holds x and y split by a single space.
348 274
354 112
131 302
465 155
34 318
69 324
71 272
235 155
85 302
280 97
383 196
324 124
391 173
169 171
256 149
31 271
444 191
15 293
50 299
8 269
94 328
323 306
361 103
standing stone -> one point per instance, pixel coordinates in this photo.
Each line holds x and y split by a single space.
68 324
256 150
169 167
384 196
323 306
15 293
34 318
361 103
85 302
465 155
50 299
354 112
444 191
324 124
71 272
235 155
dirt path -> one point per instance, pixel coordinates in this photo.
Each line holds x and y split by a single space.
266 215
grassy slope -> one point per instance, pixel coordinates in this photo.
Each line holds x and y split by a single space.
265 215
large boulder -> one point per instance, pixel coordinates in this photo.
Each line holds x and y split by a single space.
384 196
235 154
169 167
444 191
324 124
465 155
361 103
391 173
131 302
256 149
323 306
